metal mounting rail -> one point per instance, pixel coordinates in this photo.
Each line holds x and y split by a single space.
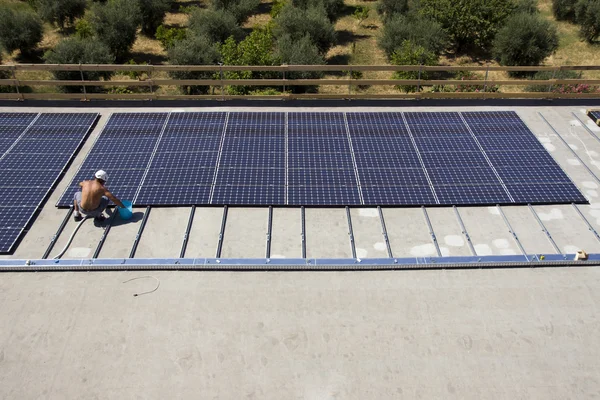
105 233
136 242
350 232
384 232
222 233
548 235
186 235
590 227
431 232
303 234
58 233
464 231
269 232
511 230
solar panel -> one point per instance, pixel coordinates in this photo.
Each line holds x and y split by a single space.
45 146
321 177
545 193
11 132
20 161
82 119
595 115
15 217
250 176
14 119
26 178
392 195
5 144
23 196
314 158
55 132
8 237
257 195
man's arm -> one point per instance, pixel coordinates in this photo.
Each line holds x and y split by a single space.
108 194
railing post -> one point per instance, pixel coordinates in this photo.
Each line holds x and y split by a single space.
221 76
350 81
487 71
14 69
419 83
283 76
150 74
553 76
83 85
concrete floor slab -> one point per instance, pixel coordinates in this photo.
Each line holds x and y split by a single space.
408 232
448 232
163 234
327 233
524 224
491 237
286 237
204 234
568 230
246 233
119 242
368 233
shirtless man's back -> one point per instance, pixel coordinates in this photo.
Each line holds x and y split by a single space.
93 198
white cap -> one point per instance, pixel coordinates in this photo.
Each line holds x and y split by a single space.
101 174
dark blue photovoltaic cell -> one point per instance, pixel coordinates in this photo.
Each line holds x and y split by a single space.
108 161
387 160
453 160
392 177
254 144
433 118
15 217
184 160
319 161
471 194
323 195
447 143
256 118
546 192
27 178
56 132
137 119
380 145
251 177
192 131
260 195
315 118
317 130
18 161
491 117
5 144
49 119
518 158
392 195
254 130
11 132
320 144
179 177
23 196
321 177
388 131
595 115
508 131
462 176
8 237
532 174
376 118
107 145
188 144
144 131
197 118
253 160
45 146
438 130
173 195
503 143
14 119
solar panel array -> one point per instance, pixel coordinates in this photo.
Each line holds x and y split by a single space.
595 115
326 159
34 151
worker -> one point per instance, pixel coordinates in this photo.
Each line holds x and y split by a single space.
93 198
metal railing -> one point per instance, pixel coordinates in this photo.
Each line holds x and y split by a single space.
153 84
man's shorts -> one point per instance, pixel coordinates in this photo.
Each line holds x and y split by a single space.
93 213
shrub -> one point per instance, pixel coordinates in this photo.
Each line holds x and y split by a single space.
420 31
412 54
153 14
546 75
169 36
332 7
300 52
60 11
215 25
84 51
115 24
240 9
193 51
526 39
255 49
526 6
5 75
83 29
20 30
389 8
277 7
469 23
564 10
361 13
587 14
297 23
